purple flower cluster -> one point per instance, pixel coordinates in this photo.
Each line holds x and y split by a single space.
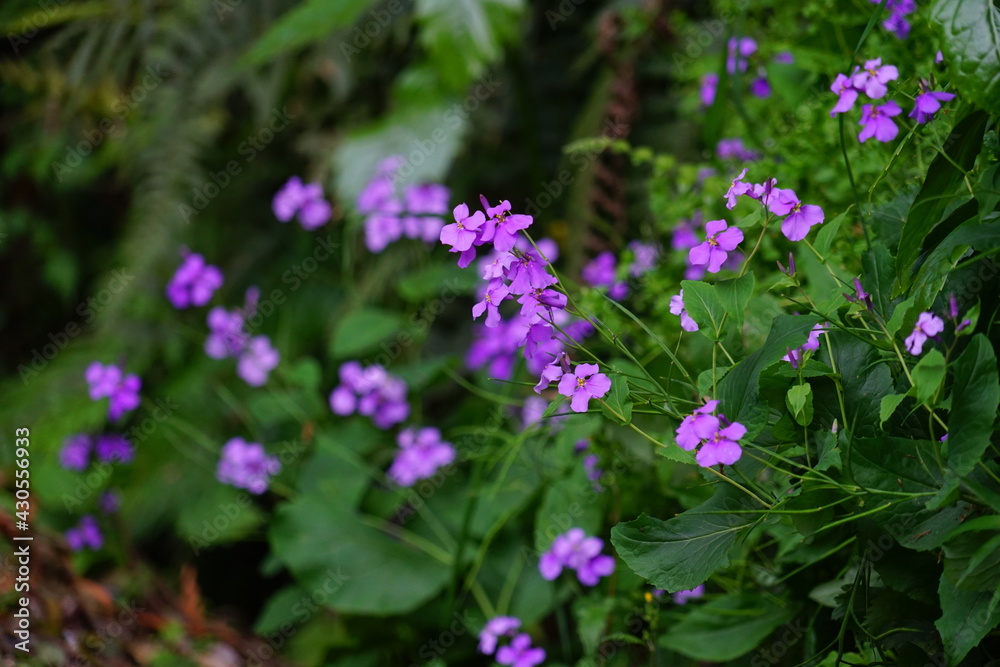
305 200
677 308
717 438
518 653
194 282
682 597
897 22
579 384
421 453
735 149
644 258
246 465
602 272
876 120
573 550
389 217
85 534
227 338
110 502
799 217
796 357
110 381
110 447
371 391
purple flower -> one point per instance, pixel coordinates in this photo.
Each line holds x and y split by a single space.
736 188
520 653
800 216
85 534
681 597
372 392
677 308
500 626
877 121
927 104
110 381
760 87
721 240
873 77
305 200
420 454
583 384
718 439
257 360
938 58
722 446
461 234
794 357
860 296
785 58
110 502
193 283
709 85
315 213
288 199
496 291
645 257
601 272
246 465
928 325
697 426
848 94
502 227
226 337
75 452
897 25
735 149
114 447
739 51
573 550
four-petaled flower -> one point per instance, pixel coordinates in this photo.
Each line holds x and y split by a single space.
520 653
848 94
496 292
877 122
800 216
462 233
495 628
928 325
582 384
873 77
926 104
722 239
717 437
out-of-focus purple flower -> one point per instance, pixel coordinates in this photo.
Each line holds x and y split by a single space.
873 77
246 465
601 272
877 122
194 282
110 381
114 447
785 58
760 87
926 104
582 384
305 200
257 360
645 257
499 626
110 502
86 534
897 25
928 325
288 200
684 236
677 308
848 94
532 410
938 58
722 239
520 653
734 149
682 597
709 85
372 392
794 357
389 217
421 453
573 550
590 465
75 452
739 50
226 337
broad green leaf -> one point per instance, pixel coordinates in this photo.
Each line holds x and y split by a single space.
865 379
970 31
966 618
975 398
877 278
972 560
888 406
984 237
682 552
824 239
727 627
285 606
799 401
988 190
617 407
362 569
569 502
363 330
703 305
943 178
591 615
751 220
306 23
927 376
740 388
734 295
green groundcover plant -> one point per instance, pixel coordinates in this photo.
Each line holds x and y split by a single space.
748 420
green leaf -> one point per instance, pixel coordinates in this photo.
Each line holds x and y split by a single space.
966 618
752 220
877 278
888 406
362 330
972 560
308 22
984 237
799 400
703 305
567 503
974 402
824 239
727 627
442 281
617 407
970 31
362 569
927 376
734 295
961 148
740 388
988 191
591 615
684 551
